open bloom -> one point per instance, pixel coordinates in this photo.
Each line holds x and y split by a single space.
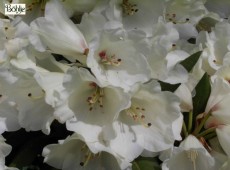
14 37
93 105
73 154
115 60
191 154
148 123
33 112
134 14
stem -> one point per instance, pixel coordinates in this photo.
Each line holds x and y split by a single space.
190 121
210 136
197 130
184 129
206 132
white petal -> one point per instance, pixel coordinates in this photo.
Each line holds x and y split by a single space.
224 138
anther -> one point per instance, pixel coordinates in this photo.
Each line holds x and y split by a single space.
142 116
86 52
109 60
137 114
192 155
128 8
172 18
36 97
96 97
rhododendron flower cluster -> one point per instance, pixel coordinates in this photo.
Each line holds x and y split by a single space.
115 84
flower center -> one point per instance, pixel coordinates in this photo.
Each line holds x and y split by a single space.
138 115
128 8
96 97
172 18
109 59
192 155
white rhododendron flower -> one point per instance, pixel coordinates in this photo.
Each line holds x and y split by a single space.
185 96
149 111
184 15
217 103
217 51
14 36
93 105
21 87
135 14
73 154
115 60
189 155
71 41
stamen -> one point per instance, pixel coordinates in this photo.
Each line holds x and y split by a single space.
173 47
128 8
86 52
109 60
192 155
96 97
137 114
172 18
87 155
88 158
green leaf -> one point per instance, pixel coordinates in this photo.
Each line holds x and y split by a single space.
168 87
206 24
146 164
203 90
189 62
